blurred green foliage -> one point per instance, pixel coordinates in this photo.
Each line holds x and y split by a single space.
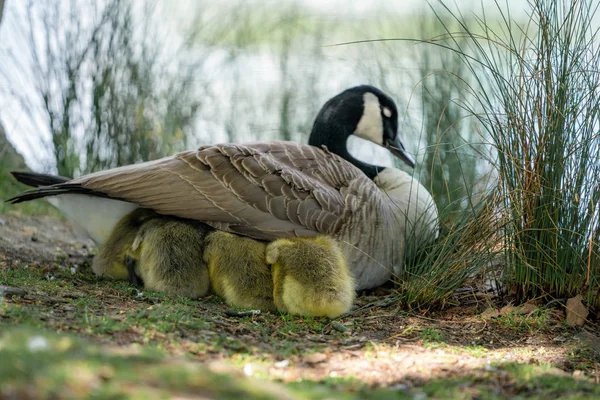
10 160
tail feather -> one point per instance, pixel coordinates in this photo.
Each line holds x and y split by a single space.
64 188
49 185
93 212
34 179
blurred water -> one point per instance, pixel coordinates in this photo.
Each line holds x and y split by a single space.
240 89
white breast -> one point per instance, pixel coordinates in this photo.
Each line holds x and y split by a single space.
95 216
412 205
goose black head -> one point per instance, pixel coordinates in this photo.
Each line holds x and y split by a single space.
363 111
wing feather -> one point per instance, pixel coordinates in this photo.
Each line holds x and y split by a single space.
264 190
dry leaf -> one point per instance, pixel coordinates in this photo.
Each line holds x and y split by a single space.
507 310
576 311
490 313
527 309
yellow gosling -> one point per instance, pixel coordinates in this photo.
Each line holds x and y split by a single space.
310 277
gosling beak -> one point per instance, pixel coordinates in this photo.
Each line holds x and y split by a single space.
134 278
396 147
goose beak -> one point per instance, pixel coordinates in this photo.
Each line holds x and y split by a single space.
396 147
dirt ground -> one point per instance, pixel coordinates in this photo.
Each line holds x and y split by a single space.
466 351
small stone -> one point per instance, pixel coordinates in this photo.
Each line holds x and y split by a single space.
315 358
576 311
339 327
400 386
8 292
106 373
589 341
248 370
490 368
37 343
282 364
578 374
419 396
243 313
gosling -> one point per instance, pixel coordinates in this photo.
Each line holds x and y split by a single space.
310 277
110 260
161 253
238 271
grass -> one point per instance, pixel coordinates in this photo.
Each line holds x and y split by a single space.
465 248
44 364
9 188
152 316
431 335
531 382
72 333
583 358
536 96
38 363
519 323
544 381
534 89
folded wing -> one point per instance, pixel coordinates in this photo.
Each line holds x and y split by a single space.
263 190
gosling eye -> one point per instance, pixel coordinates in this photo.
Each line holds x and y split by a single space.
387 112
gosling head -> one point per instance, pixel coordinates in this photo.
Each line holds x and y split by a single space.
363 111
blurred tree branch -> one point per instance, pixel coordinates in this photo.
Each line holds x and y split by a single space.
1 9
111 92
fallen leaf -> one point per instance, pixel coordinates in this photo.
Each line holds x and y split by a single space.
507 310
526 309
576 311
490 313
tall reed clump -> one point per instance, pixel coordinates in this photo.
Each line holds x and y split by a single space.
455 170
465 251
453 164
539 89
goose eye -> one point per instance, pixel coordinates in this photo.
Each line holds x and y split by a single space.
387 112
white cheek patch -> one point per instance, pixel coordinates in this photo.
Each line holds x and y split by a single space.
370 126
369 152
387 112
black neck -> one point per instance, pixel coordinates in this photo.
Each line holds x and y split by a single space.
335 137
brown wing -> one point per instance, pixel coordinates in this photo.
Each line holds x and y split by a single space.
263 190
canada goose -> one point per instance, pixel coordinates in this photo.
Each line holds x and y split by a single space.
238 271
157 252
310 277
272 190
